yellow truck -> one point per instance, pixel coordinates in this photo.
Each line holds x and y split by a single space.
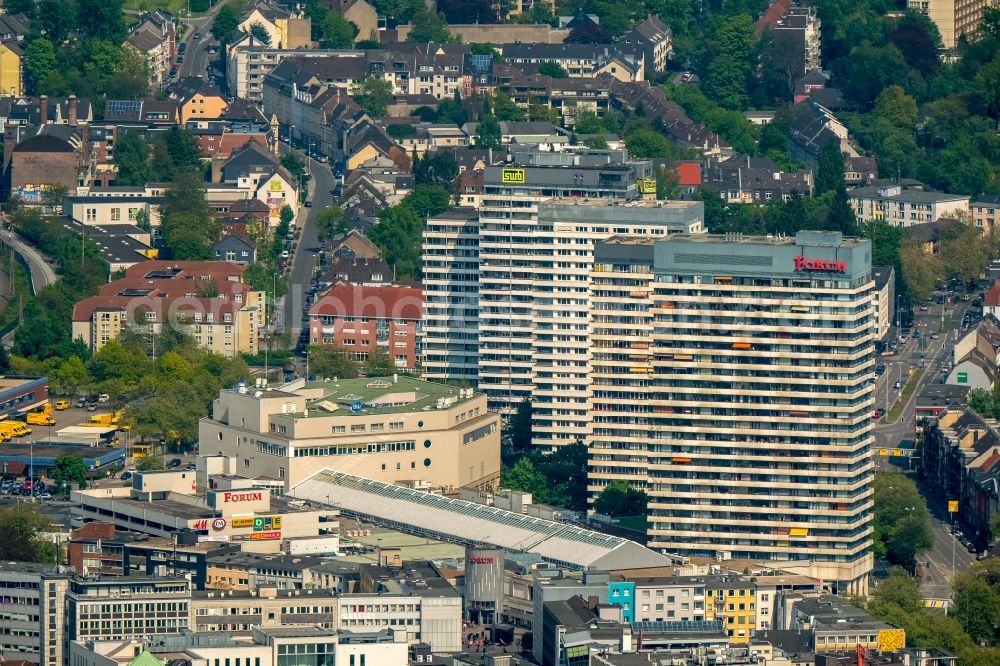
40 418
14 428
43 417
104 420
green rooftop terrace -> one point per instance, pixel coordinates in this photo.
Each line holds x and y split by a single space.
380 395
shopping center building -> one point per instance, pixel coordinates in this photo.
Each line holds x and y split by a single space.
732 382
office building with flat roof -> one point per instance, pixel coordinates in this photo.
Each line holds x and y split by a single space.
731 382
393 429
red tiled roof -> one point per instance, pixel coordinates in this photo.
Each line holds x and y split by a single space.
347 300
689 174
171 292
993 295
990 462
772 15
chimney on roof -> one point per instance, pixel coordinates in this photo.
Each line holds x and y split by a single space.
72 110
43 109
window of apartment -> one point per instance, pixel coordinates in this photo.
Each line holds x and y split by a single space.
91 215
339 429
116 214
358 427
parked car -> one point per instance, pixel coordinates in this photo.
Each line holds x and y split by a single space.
91 407
196 35
182 47
176 462
897 385
126 475
180 58
877 414
81 403
284 254
104 398
61 405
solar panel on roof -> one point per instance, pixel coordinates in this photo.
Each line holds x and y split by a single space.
480 62
123 106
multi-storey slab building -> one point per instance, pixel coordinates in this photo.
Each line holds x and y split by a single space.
508 291
730 381
451 296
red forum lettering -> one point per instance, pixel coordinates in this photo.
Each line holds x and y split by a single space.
241 497
804 264
478 559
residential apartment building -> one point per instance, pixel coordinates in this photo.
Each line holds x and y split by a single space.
622 62
366 319
903 206
508 256
985 211
285 28
955 19
730 381
960 462
205 298
153 38
450 338
884 299
395 429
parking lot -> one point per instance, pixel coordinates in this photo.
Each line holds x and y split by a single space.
63 419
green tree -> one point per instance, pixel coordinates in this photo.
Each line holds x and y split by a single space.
183 148
896 107
286 215
620 499
225 22
102 19
920 271
69 469
437 168
26 7
976 606
39 64
647 143
553 69
151 463
965 252
338 32
260 34
519 428
427 200
830 174
332 360
402 10
524 477
504 108
373 93
488 133
379 364
331 221
728 73
69 376
429 28
22 526
131 160
901 521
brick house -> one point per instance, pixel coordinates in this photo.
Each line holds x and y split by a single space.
366 318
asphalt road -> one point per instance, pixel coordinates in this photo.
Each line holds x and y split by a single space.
946 556
197 58
304 260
